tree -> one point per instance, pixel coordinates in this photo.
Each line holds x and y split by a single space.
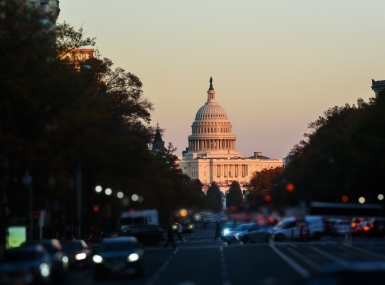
261 182
214 197
234 196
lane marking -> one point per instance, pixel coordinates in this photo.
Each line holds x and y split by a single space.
349 248
176 250
225 273
305 259
221 248
299 269
226 282
329 256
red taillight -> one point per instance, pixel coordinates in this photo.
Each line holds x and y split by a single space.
366 228
371 225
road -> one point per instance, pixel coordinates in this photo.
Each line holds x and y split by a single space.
200 260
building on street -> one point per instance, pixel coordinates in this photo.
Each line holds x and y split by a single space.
211 154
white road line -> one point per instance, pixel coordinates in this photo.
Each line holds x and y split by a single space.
300 270
176 250
221 248
305 259
349 248
329 256
226 282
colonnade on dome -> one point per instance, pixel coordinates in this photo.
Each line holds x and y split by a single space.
211 144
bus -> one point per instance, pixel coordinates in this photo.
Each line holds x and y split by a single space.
184 217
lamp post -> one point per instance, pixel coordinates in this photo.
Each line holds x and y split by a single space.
27 181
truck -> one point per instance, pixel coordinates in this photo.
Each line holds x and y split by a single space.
139 217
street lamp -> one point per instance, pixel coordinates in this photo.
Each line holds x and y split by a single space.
98 189
27 181
108 191
120 195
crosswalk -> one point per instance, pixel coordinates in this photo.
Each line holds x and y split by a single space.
201 235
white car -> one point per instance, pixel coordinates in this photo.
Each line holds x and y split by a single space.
287 228
254 233
342 227
230 236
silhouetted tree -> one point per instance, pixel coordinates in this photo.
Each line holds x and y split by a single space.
214 197
234 197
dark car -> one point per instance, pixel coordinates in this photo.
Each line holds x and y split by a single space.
78 252
147 234
26 265
348 273
378 227
118 255
58 258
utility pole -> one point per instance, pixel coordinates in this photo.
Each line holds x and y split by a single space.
79 194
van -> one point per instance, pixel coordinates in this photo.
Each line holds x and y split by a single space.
140 217
287 228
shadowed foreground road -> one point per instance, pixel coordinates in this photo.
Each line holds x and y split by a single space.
200 260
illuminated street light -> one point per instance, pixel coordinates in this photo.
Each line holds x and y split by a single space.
380 197
134 197
98 189
361 200
108 191
120 195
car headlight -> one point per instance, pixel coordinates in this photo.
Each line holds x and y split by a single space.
80 256
64 259
174 227
133 257
237 234
97 258
226 231
44 270
191 226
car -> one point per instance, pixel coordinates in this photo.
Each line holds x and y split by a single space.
26 265
59 259
343 227
230 236
118 256
254 233
228 227
78 252
287 228
378 227
147 234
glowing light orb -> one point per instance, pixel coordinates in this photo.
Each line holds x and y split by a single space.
361 200
380 197
345 198
120 195
134 197
183 212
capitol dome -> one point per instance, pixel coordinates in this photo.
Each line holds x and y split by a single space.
212 130
211 111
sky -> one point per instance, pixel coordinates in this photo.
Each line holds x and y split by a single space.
276 64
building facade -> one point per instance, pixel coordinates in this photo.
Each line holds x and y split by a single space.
378 86
211 154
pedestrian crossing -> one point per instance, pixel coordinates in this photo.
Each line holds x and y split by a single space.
201 235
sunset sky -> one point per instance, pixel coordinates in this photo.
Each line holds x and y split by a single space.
276 65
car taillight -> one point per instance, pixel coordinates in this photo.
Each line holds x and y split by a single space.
366 228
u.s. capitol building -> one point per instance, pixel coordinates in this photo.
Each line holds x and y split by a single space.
211 154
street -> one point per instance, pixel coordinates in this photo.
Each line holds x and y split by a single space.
200 260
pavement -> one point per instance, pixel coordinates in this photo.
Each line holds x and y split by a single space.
199 260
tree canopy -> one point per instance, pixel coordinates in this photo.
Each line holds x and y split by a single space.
234 197
214 197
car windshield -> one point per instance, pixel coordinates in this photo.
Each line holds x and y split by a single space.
242 228
19 255
117 246
72 246
284 223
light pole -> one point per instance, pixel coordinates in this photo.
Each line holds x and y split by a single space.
27 181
